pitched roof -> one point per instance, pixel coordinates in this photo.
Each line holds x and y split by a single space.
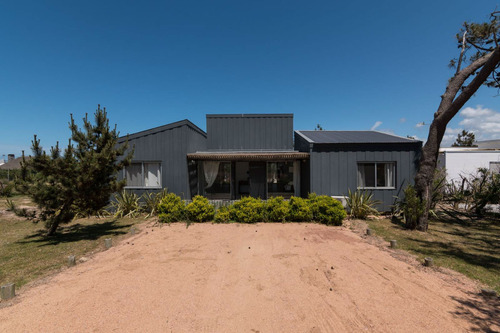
13 164
320 137
166 127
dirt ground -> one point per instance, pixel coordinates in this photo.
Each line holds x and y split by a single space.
249 278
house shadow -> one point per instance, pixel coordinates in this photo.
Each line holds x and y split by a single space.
77 232
481 311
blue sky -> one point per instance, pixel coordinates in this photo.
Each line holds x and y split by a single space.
353 65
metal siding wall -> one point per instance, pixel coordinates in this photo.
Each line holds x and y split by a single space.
335 172
250 133
170 148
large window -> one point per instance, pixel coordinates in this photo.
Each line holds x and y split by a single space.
217 179
376 175
143 174
280 179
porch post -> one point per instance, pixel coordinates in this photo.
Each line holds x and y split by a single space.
296 177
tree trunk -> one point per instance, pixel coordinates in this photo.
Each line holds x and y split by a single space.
448 108
53 228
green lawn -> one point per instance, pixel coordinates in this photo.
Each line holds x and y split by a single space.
471 247
26 254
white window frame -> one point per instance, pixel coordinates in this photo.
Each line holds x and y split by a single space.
142 163
377 187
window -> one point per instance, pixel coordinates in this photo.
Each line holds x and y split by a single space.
143 174
376 175
217 179
280 179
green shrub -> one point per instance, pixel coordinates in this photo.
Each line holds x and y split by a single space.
299 210
248 210
222 215
412 207
361 204
151 200
326 209
125 204
171 208
277 209
6 188
200 210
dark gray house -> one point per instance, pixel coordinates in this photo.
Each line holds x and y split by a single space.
260 155
368 160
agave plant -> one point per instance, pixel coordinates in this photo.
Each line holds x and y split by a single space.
126 204
151 201
361 204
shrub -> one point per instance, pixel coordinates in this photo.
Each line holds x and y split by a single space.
6 188
200 210
151 201
412 207
277 209
125 204
361 204
299 210
222 215
248 210
171 208
326 209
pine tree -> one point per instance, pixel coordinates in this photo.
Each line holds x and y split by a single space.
81 179
465 139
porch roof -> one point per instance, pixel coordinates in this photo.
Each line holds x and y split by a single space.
248 156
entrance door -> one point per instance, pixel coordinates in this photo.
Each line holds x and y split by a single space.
258 180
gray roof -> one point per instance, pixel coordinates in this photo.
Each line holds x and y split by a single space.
251 115
352 137
166 127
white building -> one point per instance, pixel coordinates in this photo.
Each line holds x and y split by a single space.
464 161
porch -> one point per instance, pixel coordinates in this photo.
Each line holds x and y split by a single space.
231 176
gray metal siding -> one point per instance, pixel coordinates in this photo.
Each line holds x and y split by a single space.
250 132
335 172
170 148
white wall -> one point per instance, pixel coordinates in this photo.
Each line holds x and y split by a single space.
467 162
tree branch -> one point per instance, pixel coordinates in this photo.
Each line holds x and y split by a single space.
489 66
461 53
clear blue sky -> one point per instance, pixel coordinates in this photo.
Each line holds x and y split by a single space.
348 65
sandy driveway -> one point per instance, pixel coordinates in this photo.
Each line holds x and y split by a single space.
247 278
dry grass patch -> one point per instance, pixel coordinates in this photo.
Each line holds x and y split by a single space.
471 247
27 254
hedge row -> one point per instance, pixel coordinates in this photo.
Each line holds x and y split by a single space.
318 208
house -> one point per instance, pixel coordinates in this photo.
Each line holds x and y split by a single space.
260 155
465 161
340 161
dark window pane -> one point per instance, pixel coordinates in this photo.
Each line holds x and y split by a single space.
381 176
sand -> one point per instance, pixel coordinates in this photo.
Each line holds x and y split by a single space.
249 278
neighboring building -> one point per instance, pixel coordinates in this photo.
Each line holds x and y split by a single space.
12 163
255 154
465 161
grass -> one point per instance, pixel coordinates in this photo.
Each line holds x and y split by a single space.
26 254
471 247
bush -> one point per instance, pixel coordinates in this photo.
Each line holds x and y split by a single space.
6 188
326 210
171 208
361 204
200 210
277 209
299 210
412 207
222 215
248 210
151 201
125 204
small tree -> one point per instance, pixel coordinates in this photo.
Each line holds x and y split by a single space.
82 178
465 139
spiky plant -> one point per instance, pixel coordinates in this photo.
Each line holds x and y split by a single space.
151 201
126 204
361 204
